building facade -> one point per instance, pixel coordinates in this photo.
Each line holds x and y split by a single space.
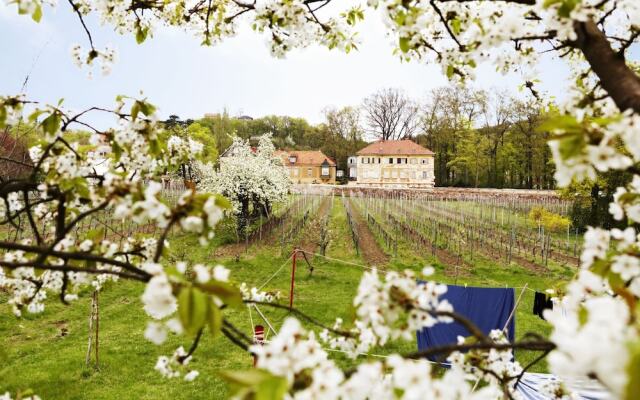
308 166
395 163
352 168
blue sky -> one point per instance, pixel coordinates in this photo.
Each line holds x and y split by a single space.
183 78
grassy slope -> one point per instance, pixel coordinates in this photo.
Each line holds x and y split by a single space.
36 357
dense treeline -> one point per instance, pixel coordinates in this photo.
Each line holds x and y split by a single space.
486 139
338 137
481 139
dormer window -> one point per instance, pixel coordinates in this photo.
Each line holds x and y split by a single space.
293 159
324 170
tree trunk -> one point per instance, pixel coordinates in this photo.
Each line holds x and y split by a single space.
616 78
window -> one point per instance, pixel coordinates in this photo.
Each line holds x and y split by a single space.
424 174
394 174
325 171
378 160
423 161
386 174
390 160
413 161
309 172
362 160
294 172
292 159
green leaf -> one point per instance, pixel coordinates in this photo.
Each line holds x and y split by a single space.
95 234
628 198
404 44
245 378
223 202
135 109
141 34
214 319
450 71
255 384
51 124
273 388
192 309
548 3
615 281
144 107
583 315
37 13
633 372
565 123
571 146
456 26
34 115
229 294
566 7
117 150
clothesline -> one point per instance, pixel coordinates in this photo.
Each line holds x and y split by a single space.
339 260
525 287
277 272
515 307
383 356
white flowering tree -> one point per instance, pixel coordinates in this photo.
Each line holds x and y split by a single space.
252 180
597 129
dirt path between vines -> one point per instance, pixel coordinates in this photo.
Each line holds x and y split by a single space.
369 248
309 240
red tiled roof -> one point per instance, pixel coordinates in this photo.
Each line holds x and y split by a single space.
304 157
395 147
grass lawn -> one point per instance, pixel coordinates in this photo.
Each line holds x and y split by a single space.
34 355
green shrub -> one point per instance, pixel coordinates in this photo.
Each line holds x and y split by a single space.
540 216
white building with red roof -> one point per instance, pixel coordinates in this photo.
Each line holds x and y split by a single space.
395 163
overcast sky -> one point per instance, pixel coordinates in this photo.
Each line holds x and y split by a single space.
183 78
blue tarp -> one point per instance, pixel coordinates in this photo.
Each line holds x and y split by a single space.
488 308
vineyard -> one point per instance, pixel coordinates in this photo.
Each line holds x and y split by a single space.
330 237
456 231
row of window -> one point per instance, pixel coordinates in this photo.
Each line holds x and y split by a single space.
395 174
392 160
324 171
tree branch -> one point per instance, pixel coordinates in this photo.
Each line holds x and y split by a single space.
619 81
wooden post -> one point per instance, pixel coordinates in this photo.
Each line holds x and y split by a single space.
94 326
293 277
97 315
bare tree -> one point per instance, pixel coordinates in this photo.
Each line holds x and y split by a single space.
344 122
391 115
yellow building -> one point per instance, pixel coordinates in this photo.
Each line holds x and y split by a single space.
395 163
308 166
